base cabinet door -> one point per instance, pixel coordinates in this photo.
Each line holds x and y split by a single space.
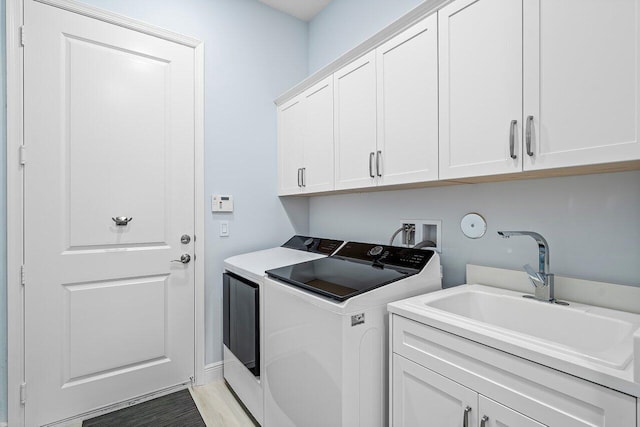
493 414
581 82
421 397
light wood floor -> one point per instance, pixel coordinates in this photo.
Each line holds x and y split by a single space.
218 406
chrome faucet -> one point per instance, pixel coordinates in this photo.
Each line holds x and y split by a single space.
542 280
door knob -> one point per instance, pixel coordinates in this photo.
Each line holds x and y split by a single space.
121 220
184 258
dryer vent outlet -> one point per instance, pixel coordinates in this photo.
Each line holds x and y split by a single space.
415 231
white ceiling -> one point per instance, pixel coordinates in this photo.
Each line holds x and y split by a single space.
301 9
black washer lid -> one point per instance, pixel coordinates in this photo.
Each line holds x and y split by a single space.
313 244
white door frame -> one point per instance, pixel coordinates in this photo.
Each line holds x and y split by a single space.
15 188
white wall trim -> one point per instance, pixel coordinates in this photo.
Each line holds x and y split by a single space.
199 199
213 372
121 21
14 191
421 11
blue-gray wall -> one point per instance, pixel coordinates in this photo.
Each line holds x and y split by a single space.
592 222
252 54
344 24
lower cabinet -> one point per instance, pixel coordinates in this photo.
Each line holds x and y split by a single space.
422 397
440 379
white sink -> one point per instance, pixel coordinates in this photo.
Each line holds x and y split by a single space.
577 333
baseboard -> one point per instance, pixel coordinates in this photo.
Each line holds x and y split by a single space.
212 372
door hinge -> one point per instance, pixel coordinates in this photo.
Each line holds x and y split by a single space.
23 393
22 154
22 35
22 275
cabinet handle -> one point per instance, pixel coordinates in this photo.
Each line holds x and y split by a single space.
483 421
528 135
304 177
371 156
378 159
299 178
512 139
465 416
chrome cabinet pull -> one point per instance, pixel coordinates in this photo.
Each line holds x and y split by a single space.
512 139
121 220
371 156
465 416
304 177
299 179
184 258
378 158
483 421
528 135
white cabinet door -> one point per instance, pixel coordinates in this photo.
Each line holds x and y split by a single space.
582 82
493 414
420 397
318 141
291 124
480 52
408 105
355 123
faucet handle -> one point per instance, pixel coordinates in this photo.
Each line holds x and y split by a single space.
536 278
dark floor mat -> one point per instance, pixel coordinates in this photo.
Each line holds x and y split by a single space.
173 410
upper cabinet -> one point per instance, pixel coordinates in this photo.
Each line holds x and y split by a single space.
386 110
537 84
305 141
407 103
480 87
355 124
291 122
581 82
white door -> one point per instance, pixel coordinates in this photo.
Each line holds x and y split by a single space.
318 140
421 397
291 117
109 131
493 414
355 123
581 81
408 105
480 48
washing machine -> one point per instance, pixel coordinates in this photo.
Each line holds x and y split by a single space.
326 333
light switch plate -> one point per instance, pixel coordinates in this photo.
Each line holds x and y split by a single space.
220 203
224 228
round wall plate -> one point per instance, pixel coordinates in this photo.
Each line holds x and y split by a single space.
473 225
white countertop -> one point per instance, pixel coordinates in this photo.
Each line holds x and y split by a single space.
527 347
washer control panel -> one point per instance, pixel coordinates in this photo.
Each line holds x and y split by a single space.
381 255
